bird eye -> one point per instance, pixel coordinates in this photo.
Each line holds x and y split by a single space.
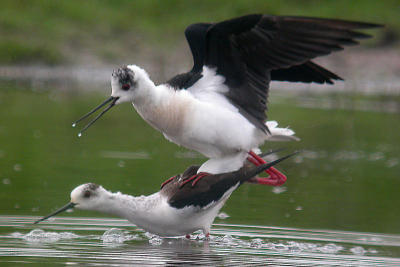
86 194
125 87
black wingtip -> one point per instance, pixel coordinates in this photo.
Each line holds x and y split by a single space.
271 152
258 169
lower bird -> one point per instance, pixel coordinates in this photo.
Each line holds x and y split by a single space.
178 209
218 108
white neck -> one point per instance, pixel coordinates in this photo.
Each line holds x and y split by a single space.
163 108
154 214
127 206
141 211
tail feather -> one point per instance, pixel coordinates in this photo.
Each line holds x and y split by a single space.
280 134
258 169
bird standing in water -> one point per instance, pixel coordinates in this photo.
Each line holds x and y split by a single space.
218 108
177 209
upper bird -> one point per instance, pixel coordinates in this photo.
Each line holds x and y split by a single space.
218 108
177 209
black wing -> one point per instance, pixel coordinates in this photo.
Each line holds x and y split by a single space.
307 73
210 188
196 37
252 50
207 190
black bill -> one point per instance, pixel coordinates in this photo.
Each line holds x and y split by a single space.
66 207
110 99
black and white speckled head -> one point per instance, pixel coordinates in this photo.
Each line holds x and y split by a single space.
128 83
125 77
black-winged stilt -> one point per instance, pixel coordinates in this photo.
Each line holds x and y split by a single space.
179 208
218 107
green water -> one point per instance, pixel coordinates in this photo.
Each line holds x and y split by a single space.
346 178
114 242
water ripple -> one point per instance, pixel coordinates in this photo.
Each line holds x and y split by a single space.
115 242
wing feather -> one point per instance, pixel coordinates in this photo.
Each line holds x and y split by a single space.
252 50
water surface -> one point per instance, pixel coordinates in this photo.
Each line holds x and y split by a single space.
339 207
110 242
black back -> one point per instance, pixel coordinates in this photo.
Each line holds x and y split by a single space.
210 188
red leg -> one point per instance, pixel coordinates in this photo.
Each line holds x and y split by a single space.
168 181
195 178
199 176
276 178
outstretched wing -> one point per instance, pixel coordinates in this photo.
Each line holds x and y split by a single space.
196 37
252 50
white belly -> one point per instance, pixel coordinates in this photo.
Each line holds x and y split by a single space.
216 132
166 221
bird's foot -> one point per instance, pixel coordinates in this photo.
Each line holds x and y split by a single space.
168 181
195 178
276 178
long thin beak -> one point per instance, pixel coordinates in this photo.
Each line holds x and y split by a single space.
66 207
111 99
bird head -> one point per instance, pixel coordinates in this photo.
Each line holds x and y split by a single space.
88 197
85 197
128 84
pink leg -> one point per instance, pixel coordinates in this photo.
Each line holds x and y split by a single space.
199 176
276 178
167 181
194 178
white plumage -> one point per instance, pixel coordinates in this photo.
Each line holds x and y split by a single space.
218 108
199 118
179 208
151 213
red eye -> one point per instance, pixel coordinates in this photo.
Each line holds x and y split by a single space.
86 194
125 87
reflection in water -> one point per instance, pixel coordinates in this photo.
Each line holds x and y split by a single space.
114 242
344 179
